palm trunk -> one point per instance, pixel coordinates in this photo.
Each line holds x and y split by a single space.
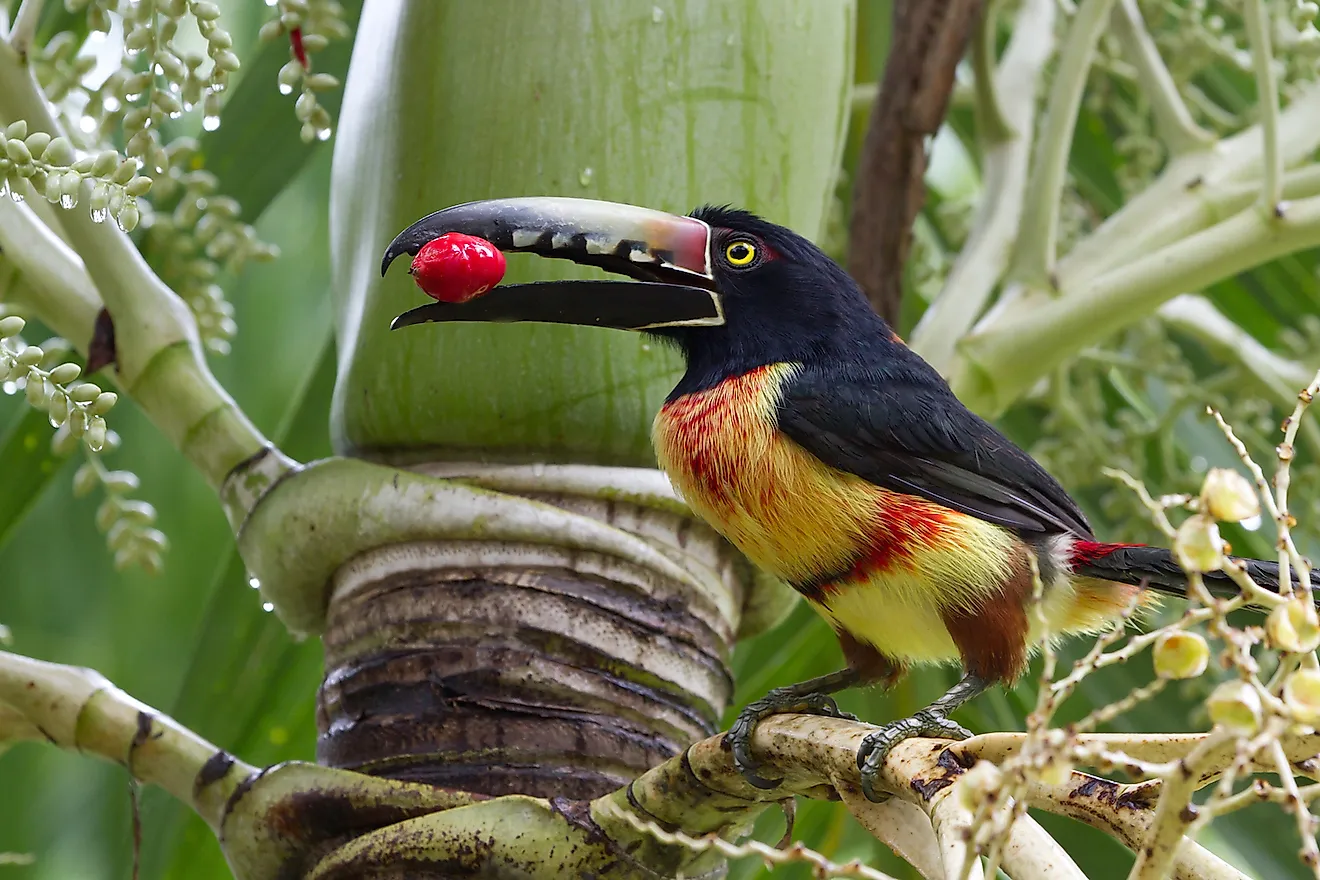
512 667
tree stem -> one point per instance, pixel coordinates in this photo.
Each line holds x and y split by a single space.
25 26
1173 206
929 38
981 263
1039 331
1279 376
1037 244
1257 19
79 709
49 281
992 125
1173 121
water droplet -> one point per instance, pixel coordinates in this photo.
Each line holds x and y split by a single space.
217 87
132 97
93 443
211 123
111 104
16 196
99 215
176 114
585 177
323 134
87 124
1251 523
158 70
10 388
67 201
253 582
268 606
272 2
174 88
132 51
657 14
286 89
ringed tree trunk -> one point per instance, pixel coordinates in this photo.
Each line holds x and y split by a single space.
529 608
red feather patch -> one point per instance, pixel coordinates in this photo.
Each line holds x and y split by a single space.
902 524
1084 552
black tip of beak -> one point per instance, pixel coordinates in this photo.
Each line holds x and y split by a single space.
398 248
468 218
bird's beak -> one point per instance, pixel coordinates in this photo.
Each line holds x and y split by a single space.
667 255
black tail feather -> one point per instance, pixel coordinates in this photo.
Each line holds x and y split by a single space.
1156 569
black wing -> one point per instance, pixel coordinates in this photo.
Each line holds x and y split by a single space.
908 433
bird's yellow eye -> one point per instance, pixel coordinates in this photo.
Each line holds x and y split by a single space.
740 253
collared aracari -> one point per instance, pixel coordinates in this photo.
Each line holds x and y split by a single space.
826 450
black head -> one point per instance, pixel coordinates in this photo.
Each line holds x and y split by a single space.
730 289
784 300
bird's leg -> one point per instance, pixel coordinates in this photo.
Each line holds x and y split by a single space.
811 697
930 721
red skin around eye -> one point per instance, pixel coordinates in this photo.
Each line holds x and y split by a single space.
455 268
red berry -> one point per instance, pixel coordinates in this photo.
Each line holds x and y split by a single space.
455 267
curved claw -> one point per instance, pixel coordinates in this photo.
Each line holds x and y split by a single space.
877 746
739 737
739 740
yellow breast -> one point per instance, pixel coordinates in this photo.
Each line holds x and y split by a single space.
899 559
767 495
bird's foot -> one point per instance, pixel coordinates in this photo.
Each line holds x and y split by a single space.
876 746
777 702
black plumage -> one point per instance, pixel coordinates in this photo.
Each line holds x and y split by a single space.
863 402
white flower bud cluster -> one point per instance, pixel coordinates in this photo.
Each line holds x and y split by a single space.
98 12
156 80
77 410
58 66
106 182
190 244
127 523
309 25
1195 35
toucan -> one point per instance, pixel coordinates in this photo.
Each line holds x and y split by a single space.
827 451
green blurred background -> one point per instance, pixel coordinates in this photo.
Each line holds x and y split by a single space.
195 643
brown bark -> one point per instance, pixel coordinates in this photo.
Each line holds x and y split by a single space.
565 677
929 38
